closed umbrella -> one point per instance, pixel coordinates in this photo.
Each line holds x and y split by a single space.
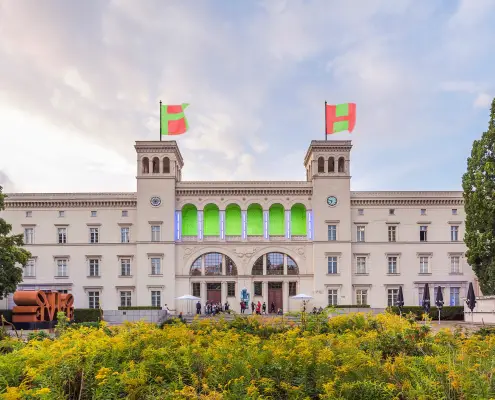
439 301
400 300
471 299
426 299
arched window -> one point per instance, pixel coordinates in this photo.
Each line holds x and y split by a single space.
298 220
156 165
258 267
292 268
274 264
341 164
255 220
196 267
189 220
211 217
331 164
321 164
233 220
213 263
146 165
230 267
166 165
276 220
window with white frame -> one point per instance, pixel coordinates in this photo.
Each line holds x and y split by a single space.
124 234
362 297
455 296
30 268
156 298
421 292
361 265
94 299
94 267
156 267
333 297
424 267
94 235
28 235
360 233
93 213
423 233
155 233
391 211
454 233
423 211
125 213
62 235
29 214
455 264
454 211
360 211
392 233
392 265
332 232
62 267
392 295
125 267
125 298
61 214
332 264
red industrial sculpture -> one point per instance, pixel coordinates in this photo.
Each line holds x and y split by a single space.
39 306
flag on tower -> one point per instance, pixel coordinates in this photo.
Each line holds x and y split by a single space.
172 119
340 117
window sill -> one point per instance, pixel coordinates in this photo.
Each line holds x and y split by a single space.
93 276
424 273
125 276
337 274
456 273
362 273
393 274
29 277
62 277
155 274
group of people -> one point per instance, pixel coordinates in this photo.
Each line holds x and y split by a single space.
317 310
259 308
212 308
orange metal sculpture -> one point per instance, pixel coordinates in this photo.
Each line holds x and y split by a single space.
39 306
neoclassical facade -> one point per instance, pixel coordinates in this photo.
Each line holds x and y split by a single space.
214 239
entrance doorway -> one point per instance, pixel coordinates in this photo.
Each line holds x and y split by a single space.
214 292
275 296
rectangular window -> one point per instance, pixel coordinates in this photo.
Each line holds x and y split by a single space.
28 235
362 297
391 211
156 298
125 298
62 270
196 289
155 233
124 235
94 267
360 233
156 267
292 288
455 266
61 214
332 297
93 213
29 214
94 299
125 267
423 211
332 232
392 297
392 265
455 296
62 235
360 211
94 235
360 265
392 233
454 233
454 211
423 265
258 289
421 292
125 213
30 269
423 231
230 289
332 265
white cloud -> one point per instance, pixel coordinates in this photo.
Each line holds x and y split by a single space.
74 80
483 101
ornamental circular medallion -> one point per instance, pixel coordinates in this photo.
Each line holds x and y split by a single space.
332 201
155 201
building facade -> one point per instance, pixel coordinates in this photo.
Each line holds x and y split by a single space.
215 239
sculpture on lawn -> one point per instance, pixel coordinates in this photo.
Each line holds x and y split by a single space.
39 306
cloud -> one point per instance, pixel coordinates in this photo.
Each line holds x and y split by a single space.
483 101
5 182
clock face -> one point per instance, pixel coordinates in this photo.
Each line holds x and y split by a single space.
332 201
155 201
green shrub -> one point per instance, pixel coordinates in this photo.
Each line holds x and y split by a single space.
350 306
38 335
140 308
87 315
366 390
451 313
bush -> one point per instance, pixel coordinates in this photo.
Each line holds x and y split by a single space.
38 335
454 313
140 308
87 315
77 325
351 306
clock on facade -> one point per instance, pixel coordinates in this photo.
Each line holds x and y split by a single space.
155 201
332 201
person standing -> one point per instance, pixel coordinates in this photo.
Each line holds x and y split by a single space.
198 308
272 307
264 307
252 307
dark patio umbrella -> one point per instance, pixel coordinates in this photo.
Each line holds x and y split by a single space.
471 299
439 301
426 299
400 300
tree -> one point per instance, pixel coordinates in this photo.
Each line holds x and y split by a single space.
11 256
478 184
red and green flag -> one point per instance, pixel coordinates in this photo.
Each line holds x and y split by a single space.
340 117
172 119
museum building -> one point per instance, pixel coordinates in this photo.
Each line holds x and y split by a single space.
275 239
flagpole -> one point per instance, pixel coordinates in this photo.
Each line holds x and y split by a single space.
160 120
326 136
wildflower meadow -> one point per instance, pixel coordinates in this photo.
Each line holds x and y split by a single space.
356 356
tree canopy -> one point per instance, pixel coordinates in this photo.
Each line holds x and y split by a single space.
479 203
13 257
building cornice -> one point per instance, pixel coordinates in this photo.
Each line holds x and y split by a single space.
407 198
244 188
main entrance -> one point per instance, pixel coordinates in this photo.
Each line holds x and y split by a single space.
275 296
214 292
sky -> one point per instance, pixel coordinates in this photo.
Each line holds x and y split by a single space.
81 82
